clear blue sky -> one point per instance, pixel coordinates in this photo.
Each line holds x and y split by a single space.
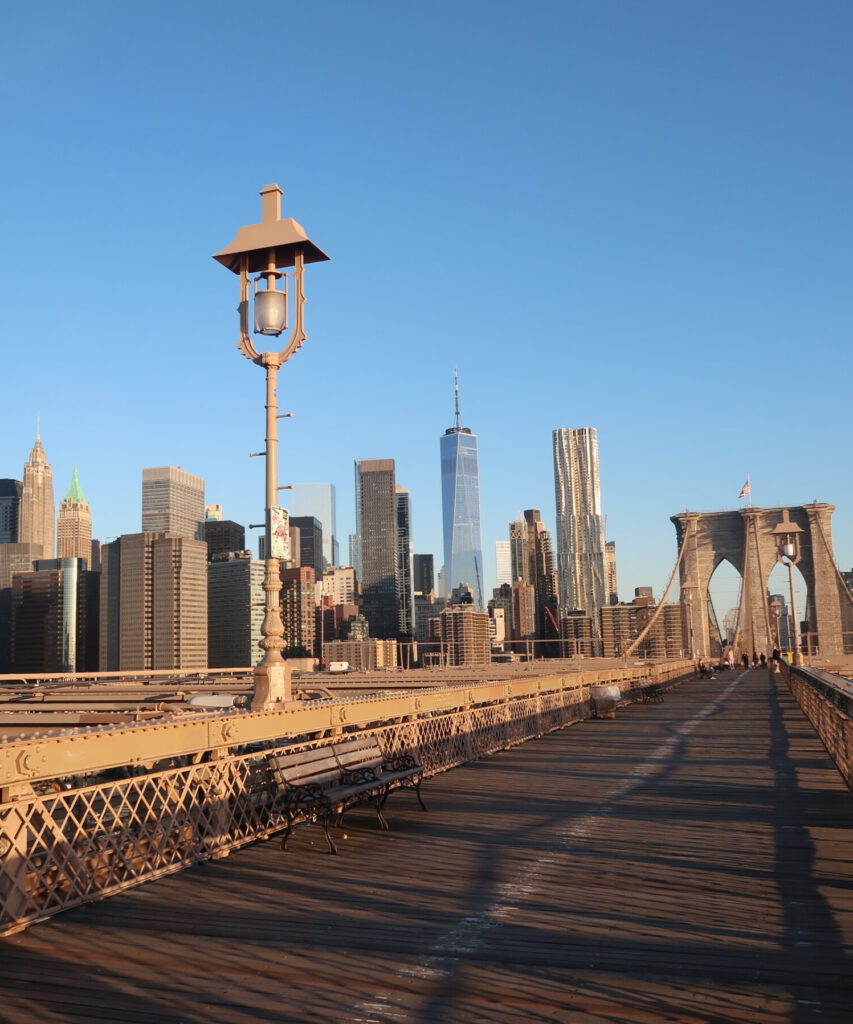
633 216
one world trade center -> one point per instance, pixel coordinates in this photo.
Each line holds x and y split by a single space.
460 504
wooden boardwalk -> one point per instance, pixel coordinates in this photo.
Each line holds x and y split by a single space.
690 861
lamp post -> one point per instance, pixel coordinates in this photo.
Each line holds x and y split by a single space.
788 553
776 616
263 249
688 603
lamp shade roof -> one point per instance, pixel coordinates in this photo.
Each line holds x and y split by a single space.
286 236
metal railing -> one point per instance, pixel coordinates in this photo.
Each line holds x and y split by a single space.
827 701
80 819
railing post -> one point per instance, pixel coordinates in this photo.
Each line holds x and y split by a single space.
13 855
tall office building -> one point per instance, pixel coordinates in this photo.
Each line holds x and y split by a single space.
172 502
318 500
580 524
14 557
223 536
503 562
235 610
405 574
298 610
532 561
308 553
10 505
153 603
37 512
610 571
460 504
55 617
376 529
423 574
464 634
74 524
339 586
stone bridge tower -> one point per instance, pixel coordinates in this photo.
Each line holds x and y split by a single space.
745 538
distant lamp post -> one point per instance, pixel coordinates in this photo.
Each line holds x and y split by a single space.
687 598
263 249
788 553
776 616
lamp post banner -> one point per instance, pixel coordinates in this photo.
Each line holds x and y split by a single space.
279 534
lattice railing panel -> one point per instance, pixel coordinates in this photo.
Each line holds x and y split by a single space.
833 726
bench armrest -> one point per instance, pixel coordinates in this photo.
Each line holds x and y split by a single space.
401 763
359 776
308 793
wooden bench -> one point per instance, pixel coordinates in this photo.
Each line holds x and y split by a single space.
323 783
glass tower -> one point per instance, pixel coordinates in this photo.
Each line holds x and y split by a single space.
460 504
318 500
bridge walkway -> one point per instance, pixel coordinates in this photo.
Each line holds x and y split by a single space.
690 861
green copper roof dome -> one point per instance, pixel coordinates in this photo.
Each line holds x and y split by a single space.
75 491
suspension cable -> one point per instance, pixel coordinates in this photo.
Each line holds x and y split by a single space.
662 604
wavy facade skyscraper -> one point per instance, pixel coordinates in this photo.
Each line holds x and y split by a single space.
580 524
460 504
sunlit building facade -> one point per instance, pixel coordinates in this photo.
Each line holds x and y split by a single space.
74 524
37 511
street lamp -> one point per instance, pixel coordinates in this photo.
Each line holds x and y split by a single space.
687 597
263 249
788 553
776 616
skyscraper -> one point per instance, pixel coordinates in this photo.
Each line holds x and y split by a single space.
310 546
376 529
10 505
153 603
172 502
235 610
423 574
37 511
532 561
405 579
318 500
298 610
223 536
503 563
580 524
460 503
610 568
55 617
74 524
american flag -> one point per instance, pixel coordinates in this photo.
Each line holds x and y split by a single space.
744 491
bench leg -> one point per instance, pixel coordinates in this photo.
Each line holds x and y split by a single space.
287 832
380 803
327 819
418 795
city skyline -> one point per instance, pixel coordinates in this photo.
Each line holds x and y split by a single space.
686 264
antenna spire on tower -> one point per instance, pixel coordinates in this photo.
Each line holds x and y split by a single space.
456 388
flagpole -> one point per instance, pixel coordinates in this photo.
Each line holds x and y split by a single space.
749 491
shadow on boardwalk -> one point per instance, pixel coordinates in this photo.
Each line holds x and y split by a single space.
689 861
